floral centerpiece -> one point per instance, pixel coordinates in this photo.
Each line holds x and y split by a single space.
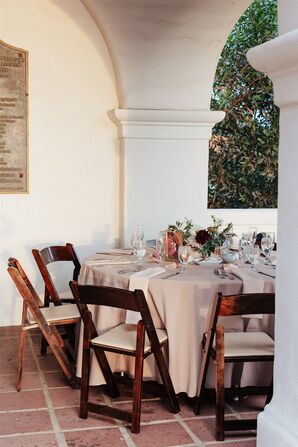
209 240
205 241
185 227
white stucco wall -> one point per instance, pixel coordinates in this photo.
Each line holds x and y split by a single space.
73 165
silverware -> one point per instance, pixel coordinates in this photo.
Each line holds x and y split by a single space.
223 274
266 274
172 274
126 271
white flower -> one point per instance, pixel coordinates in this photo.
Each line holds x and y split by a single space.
218 221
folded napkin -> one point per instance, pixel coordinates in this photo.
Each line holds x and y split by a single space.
140 280
252 283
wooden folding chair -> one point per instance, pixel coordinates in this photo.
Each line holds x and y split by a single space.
45 257
47 319
49 255
137 340
233 347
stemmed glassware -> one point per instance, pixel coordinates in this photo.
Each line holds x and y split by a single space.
184 255
267 244
253 253
253 234
139 248
138 245
160 245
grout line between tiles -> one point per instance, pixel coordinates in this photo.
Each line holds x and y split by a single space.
57 430
126 435
29 433
24 410
190 433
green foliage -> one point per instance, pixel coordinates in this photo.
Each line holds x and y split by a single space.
243 156
184 227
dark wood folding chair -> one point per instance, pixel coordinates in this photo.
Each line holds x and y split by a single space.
47 319
232 347
45 257
137 340
49 255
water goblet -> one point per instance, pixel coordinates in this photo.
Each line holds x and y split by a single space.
160 245
253 234
267 244
139 230
184 255
253 255
243 247
139 248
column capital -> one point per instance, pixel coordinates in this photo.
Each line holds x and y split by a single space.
165 124
279 59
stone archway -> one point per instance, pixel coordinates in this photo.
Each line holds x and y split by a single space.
165 55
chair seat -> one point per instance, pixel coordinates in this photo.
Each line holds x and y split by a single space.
123 337
246 344
54 313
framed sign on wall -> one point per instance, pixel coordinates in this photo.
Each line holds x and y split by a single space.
13 119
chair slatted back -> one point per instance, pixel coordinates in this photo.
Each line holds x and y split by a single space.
28 298
117 298
232 305
51 254
248 304
14 263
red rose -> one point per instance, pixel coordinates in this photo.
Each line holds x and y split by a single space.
202 236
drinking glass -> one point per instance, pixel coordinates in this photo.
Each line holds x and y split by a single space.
184 255
160 245
253 234
253 255
267 244
139 230
243 247
137 234
139 248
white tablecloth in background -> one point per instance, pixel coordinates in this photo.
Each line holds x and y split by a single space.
181 304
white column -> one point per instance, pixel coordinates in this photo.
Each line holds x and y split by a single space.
277 425
164 167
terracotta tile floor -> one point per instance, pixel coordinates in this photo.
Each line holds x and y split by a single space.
45 412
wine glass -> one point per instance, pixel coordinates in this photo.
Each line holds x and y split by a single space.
139 248
267 244
160 245
243 247
184 255
139 230
253 255
137 234
253 234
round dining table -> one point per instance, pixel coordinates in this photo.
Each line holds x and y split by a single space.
182 304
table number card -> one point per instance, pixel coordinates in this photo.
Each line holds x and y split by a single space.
13 119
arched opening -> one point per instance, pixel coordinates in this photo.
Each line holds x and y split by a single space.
243 155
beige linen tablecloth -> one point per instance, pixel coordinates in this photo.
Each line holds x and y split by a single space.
182 305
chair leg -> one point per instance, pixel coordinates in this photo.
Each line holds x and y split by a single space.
138 378
44 343
112 388
167 381
55 343
21 359
85 383
220 388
